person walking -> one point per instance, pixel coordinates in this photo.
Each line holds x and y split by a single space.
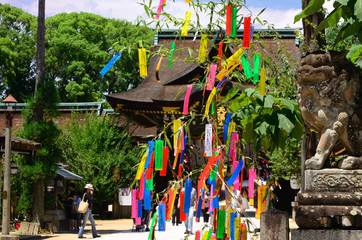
190 215
88 196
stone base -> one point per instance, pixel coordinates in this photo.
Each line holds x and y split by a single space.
330 234
9 237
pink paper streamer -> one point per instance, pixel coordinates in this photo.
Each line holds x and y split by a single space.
211 77
159 9
252 177
211 209
134 204
187 99
237 181
198 235
138 221
142 185
182 138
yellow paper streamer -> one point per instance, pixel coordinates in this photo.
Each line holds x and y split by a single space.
173 201
185 27
209 100
237 228
226 71
203 48
231 129
142 62
204 237
235 56
158 70
261 201
188 1
230 210
176 142
141 166
262 81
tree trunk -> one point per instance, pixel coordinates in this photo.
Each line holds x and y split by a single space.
40 51
38 187
313 41
38 202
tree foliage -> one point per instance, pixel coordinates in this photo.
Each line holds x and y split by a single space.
97 149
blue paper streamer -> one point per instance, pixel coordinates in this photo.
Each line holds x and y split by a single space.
147 200
235 173
183 151
139 208
199 205
232 225
110 64
151 145
187 199
215 202
161 217
221 82
226 126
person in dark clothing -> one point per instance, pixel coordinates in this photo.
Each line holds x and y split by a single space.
176 211
69 206
88 196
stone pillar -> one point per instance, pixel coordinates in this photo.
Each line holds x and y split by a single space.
274 225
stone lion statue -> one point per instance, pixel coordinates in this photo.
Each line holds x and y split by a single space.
330 96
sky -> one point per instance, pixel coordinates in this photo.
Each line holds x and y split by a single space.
280 13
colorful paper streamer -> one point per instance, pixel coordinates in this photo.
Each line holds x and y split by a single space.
262 81
161 217
185 27
158 154
110 64
142 62
246 37
159 9
172 49
163 172
246 66
235 173
221 224
211 77
209 100
256 68
147 200
234 21
208 140
187 99
187 200
228 19
203 48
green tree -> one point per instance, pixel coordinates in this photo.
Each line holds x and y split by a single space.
80 44
97 149
17 52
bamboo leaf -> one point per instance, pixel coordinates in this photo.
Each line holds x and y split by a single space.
314 6
331 20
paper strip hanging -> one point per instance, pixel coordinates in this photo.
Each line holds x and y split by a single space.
228 220
203 48
231 129
236 56
208 103
252 177
147 200
221 225
134 203
235 173
187 99
142 62
149 184
211 77
110 64
208 140
209 234
142 187
141 166
219 55
158 154
246 37
188 1
226 125
199 204
188 188
232 225
211 209
176 134
151 145
237 228
182 213
153 225
198 235
158 70
232 149
246 66
261 201
159 9
172 49
150 167
185 27
161 217
163 172
139 208
244 232
204 237
237 180
228 19
256 68
171 198
262 81
233 21
226 71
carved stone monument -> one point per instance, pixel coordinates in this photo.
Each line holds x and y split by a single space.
330 99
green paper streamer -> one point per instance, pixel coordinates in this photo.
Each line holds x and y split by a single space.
149 184
256 68
246 67
158 154
171 53
152 226
212 108
213 173
233 22
221 224
209 234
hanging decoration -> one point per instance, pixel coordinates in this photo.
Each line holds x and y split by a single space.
142 62
246 37
256 68
159 9
203 48
172 49
110 64
185 27
187 99
262 81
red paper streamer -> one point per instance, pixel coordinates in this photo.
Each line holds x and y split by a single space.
163 172
179 170
229 11
182 214
220 55
169 203
246 38
150 168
